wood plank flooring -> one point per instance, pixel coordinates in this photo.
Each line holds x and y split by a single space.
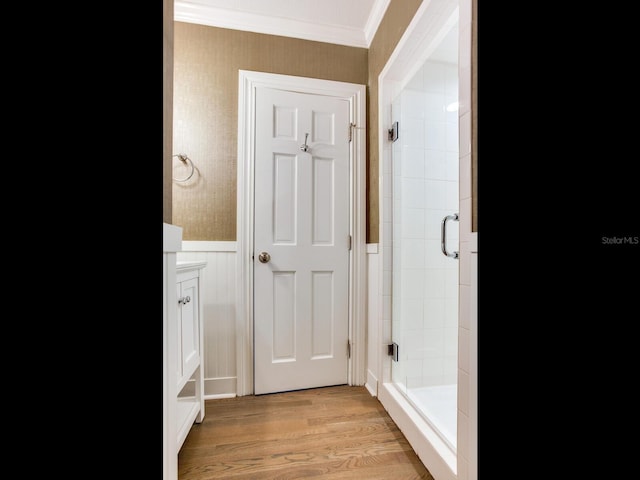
329 433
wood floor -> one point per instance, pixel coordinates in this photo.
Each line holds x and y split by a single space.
325 433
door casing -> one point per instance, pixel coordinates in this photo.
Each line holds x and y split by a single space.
356 95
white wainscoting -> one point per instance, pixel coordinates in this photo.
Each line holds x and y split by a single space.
218 298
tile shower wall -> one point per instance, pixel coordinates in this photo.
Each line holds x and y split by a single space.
425 190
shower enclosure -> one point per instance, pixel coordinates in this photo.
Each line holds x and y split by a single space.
425 199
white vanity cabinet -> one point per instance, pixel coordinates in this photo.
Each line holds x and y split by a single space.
189 369
182 351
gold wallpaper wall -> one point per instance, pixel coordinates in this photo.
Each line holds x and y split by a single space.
206 61
398 16
205 116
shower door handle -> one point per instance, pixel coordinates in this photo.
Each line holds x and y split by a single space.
443 235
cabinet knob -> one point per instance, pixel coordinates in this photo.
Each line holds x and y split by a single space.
184 300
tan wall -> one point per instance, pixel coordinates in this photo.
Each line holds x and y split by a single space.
205 116
396 20
204 93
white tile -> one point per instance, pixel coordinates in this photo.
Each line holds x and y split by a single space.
433 341
434 135
435 107
413 104
413 223
463 393
433 313
412 193
464 96
433 284
465 176
434 194
451 312
463 306
436 169
413 253
412 284
465 271
411 132
463 350
462 438
451 199
432 369
464 141
464 223
413 348
451 343
451 143
412 162
450 368
451 80
411 313
453 166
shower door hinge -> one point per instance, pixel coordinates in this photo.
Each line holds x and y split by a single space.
392 134
392 351
351 127
348 349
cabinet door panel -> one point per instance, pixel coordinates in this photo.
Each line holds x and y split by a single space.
189 328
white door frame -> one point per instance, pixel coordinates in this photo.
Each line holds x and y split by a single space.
356 95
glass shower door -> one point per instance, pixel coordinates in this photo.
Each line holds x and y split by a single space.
424 265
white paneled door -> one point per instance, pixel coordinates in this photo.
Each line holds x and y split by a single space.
301 240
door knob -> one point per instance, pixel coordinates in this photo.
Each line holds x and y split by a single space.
264 257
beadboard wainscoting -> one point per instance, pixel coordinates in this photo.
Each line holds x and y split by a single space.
218 297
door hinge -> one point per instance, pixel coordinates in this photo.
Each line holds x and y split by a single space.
348 349
392 133
393 351
350 238
351 127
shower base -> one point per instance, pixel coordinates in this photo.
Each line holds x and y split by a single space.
438 404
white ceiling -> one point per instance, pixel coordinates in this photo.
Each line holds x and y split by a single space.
345 22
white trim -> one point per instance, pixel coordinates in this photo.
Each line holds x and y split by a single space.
375 17
356 95
434 453
171 238
372 248
185 11
204 246
473 242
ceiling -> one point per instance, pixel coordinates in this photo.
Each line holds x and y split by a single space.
344 22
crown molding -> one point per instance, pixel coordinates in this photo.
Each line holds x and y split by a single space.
376 16
190 12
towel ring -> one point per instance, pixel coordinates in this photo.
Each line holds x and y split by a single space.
184 159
